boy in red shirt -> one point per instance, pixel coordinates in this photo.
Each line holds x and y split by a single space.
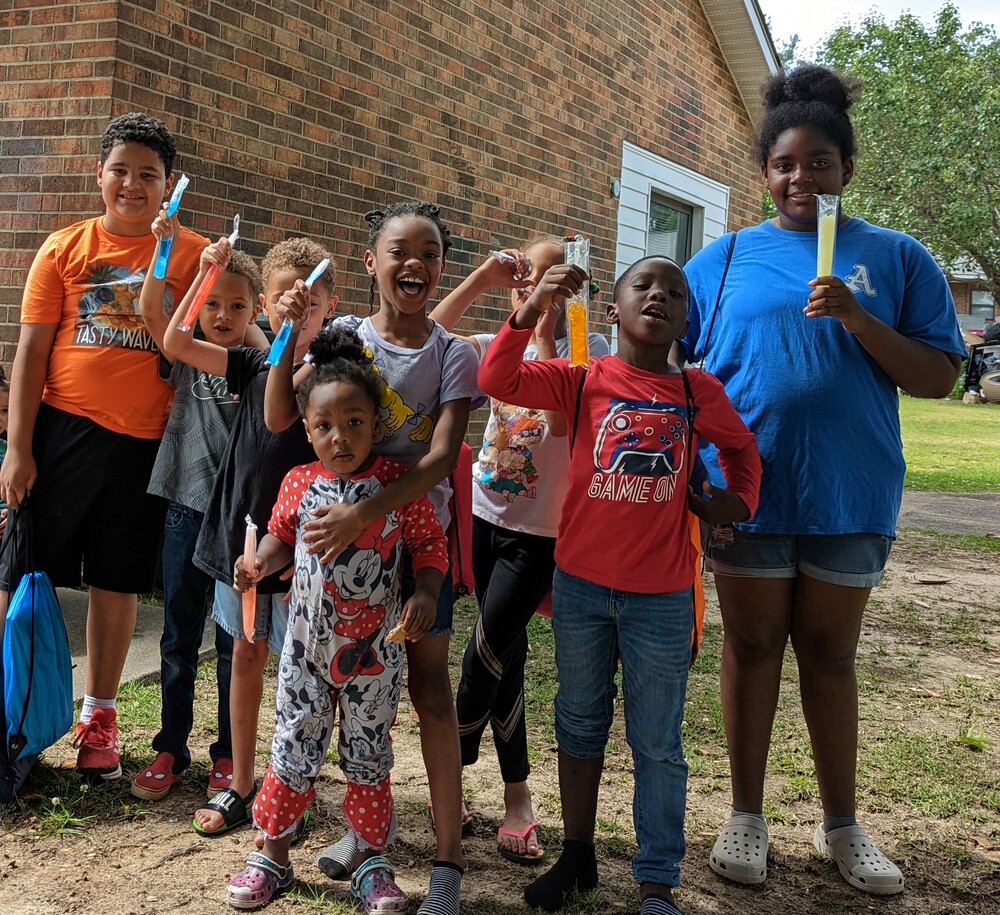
88 408
624 576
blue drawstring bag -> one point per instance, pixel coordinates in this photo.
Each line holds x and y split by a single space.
36 673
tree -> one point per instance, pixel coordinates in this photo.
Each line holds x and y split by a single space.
928 127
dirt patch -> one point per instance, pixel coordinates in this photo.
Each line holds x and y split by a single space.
929 666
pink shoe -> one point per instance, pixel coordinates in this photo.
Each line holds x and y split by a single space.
97 741
262 879
375 885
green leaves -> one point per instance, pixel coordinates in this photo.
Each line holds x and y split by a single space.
928 127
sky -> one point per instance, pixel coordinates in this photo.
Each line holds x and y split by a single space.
813 21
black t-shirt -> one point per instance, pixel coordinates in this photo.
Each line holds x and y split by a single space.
253 465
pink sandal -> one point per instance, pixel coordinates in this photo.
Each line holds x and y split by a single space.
261 880
375 885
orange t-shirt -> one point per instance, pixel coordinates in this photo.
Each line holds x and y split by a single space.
104 362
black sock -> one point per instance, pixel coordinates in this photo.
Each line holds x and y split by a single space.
576 869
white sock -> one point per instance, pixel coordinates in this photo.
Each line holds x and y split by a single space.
90 703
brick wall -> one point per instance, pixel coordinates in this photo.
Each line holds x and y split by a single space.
302 116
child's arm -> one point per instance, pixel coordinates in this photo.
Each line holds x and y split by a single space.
545 341
336 526
27 381
151 296
183 345
272 556
428 546
280 409
718 422
490 274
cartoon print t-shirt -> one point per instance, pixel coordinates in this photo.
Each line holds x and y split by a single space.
195 438
522 474
104 361
416 382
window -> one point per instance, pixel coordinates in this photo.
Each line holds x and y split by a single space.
982 304
669 230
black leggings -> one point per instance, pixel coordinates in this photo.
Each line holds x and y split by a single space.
513 573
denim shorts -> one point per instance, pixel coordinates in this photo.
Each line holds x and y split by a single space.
270 622
851 560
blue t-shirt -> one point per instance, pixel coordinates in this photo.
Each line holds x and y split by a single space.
825 415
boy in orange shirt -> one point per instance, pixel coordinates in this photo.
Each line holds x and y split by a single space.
88 408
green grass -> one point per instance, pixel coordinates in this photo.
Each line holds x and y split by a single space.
950 446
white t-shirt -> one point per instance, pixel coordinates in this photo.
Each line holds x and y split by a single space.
521 477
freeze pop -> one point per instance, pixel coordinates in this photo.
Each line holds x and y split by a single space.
578 253
249 565
284 333
201 296
827 210
163 250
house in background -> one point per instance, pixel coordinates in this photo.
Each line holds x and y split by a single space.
628 122
974 302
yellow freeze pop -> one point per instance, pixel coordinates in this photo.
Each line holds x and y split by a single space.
827 207
578 252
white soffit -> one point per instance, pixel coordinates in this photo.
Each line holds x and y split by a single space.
746 46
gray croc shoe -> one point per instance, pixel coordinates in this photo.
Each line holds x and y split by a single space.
740 852
859 860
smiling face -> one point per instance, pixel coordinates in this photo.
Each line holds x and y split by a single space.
322 303
133 183
407 263
228 311
340 423
801 164
651 305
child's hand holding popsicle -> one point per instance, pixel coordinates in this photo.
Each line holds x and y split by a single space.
558 283
246 575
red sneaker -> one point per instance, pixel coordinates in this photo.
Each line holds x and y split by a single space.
97 741
153 783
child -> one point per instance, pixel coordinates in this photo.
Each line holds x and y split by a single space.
336 651
520 482
252 468
428 385
804 569
623 583
185 470
88 410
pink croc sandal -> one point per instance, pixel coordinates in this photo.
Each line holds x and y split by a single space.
375 885
261 880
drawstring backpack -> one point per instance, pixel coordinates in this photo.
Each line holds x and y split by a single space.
36 675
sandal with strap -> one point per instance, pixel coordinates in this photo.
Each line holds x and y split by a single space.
859 860
236 811
740 852
531 860
261 880
375 885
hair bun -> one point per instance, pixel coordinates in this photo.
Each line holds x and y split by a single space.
811 83
337 342
374 216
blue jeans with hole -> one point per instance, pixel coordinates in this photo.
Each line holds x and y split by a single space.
186 595
594 627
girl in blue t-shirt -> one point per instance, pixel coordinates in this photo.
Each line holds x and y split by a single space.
813 365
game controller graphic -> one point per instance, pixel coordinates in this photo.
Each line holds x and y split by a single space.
641 438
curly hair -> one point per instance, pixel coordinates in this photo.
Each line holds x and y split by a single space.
808 96
242 264
338 354
136 127
298 254
378 219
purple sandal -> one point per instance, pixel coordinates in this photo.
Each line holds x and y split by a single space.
262 879
374 884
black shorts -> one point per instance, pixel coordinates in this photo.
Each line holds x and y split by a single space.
89 508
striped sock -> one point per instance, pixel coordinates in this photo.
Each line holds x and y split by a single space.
443 893
337 860
654 904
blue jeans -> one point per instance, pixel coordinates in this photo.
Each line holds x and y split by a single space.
594 626
186 594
